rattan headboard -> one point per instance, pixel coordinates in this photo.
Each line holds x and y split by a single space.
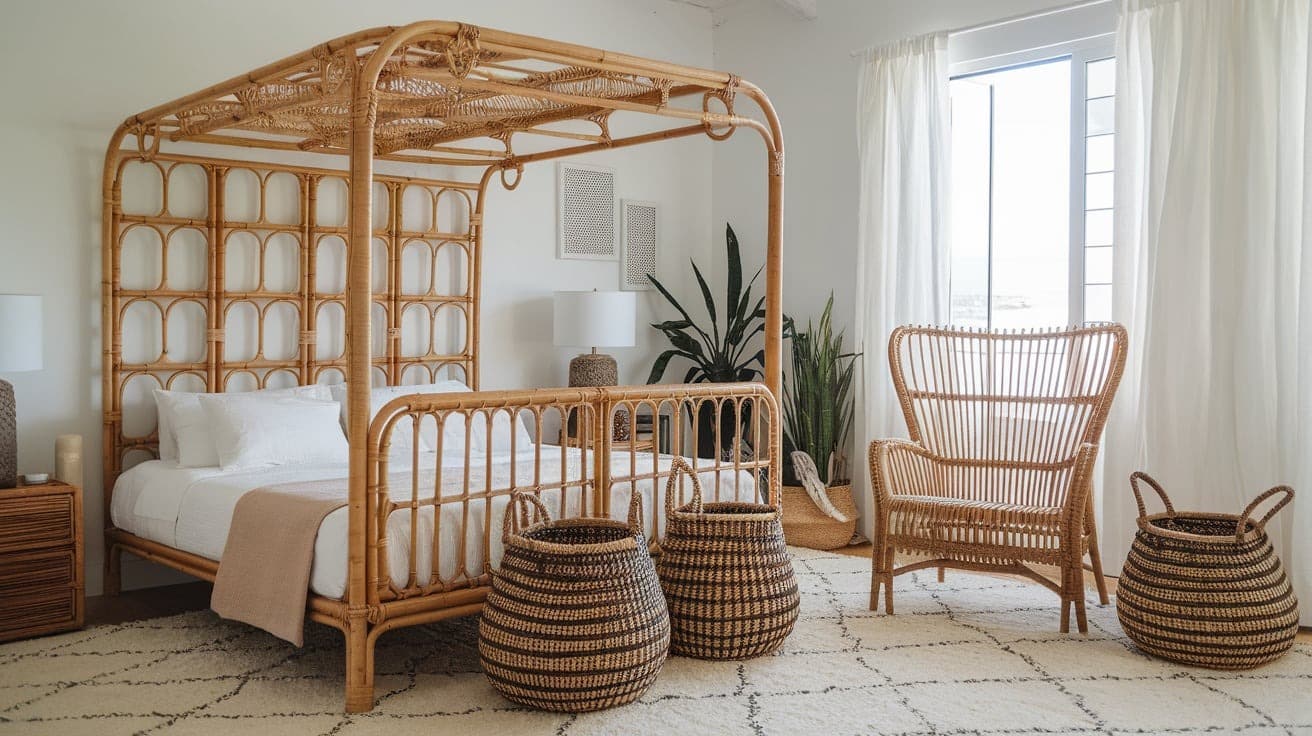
228 275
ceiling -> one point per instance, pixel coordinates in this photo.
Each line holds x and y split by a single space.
807 9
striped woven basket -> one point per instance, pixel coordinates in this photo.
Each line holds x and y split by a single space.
1207 589
575 620
727 576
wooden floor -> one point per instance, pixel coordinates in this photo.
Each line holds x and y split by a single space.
137 605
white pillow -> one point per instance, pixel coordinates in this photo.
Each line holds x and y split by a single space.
252 432
195 440
169 403
402 438
501 429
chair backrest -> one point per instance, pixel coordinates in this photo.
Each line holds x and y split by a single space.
1015 401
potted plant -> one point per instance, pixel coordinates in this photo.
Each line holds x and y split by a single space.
718 352
819 511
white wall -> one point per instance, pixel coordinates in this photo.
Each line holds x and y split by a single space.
75 69
807 69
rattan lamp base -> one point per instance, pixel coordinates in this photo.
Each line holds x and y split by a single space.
8 436
593 369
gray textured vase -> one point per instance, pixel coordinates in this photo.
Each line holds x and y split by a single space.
8 436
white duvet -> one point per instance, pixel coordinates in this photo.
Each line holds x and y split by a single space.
191 508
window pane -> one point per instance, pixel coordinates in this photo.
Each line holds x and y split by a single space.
1099 153
1101 79
1031 196
1098 227
1101 116
972 104
1098 191
1098 303
1011 188
1098 265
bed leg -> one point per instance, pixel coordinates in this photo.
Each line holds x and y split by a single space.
113 581
359 666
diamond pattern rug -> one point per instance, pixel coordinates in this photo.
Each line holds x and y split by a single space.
974 655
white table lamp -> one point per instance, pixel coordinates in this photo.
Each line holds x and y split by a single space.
594 319
20 350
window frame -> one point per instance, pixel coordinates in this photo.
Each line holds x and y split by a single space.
1080 52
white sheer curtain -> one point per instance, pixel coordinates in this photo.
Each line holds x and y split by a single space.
902 266
1213 269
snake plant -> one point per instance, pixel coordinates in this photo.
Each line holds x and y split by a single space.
716 351
818 404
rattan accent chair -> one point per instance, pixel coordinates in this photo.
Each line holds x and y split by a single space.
996 477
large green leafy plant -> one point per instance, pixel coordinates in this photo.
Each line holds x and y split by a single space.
818 405
717 352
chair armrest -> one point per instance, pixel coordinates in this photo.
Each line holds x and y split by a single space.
902 467
1080 487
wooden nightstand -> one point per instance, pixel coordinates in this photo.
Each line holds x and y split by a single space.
642 444
41 578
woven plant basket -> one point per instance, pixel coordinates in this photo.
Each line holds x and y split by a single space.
1207 589
575 620
805 525
727 576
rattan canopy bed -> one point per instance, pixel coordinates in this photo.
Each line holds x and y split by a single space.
442 98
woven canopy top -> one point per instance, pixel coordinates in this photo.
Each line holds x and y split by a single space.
436 89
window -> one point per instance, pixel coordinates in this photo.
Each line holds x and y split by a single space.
1032 181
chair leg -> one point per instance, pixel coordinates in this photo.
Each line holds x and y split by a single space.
1095 558
881 566
888 582
940 574
1072 596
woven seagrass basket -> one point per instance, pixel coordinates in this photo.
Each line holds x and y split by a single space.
1207 589
727 576
575 620
805 525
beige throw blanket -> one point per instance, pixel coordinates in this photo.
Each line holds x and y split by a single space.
264 576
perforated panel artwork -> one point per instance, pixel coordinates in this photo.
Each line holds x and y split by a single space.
232 277
586 212
639 223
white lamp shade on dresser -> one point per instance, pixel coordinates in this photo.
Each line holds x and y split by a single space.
595 319
20 333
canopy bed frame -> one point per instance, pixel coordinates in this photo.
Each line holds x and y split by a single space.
414 95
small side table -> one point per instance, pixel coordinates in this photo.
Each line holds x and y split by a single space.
641 444
41 560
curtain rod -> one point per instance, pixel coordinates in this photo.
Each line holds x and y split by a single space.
1009 20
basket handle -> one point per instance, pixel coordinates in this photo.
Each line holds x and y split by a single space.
677 468
635 512
1138 493
1247 516
527 505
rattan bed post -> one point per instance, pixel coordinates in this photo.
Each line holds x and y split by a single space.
774 239
474 372
359 300
109 339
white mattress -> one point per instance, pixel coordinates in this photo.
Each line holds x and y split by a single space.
191 508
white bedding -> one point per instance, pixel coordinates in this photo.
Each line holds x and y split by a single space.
191 508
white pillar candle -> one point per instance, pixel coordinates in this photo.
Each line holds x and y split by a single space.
68 459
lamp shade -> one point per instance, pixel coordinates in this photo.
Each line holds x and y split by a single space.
20 333
595 319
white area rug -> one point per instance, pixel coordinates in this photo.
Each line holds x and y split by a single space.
975 655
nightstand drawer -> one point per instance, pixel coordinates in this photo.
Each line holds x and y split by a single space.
38 612
24 572
33 522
